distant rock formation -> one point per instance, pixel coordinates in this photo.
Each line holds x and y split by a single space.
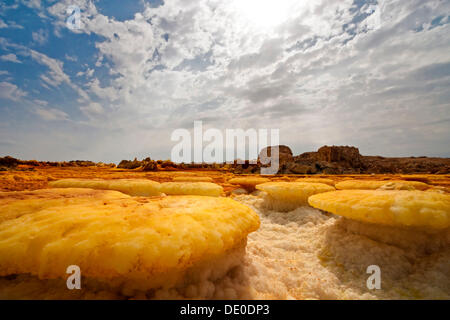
327 160
8 163
285 156
348 160
127 164
347 156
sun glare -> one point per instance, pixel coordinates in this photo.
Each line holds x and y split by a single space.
263 13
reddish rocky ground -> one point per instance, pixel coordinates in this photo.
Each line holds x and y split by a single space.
337 163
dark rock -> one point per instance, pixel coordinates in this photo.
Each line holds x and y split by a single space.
127 164
285 155
9 162
346 156
150 166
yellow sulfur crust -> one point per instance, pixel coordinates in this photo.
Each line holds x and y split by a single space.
393 208
16 204
248 183
373 185
286 196
127 242
192 188
192 179
317 180
133 187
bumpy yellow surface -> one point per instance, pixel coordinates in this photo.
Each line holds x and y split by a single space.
122 241
16 204
133 187
192 188
248 182
317 180
192 179
293 191
394 208
396 186
373 185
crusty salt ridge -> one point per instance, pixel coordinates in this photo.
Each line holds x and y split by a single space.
317 180
192 188
376 184
130 244
287 196
420 240
192 179
133 187
248 183
305 254
388 207
308 254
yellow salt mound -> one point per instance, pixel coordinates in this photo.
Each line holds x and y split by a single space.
373 185
16 204
192 188
192 179
127 243
287 196
133 187
438 190
317 180
393 208
396 186
136 187
248 183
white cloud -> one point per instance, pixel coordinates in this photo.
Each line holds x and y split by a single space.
50 114
11 91
322 71
56 75
40 36
92 109
70 58
10 57
40 102
35 4
88 73
10 24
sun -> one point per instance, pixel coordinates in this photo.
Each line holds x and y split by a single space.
263 13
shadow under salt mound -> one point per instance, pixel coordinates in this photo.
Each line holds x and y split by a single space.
413 265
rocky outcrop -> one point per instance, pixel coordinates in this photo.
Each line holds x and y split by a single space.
345 156
127 164
348 160
407 165
285 154
268 154
146 164
150 166
13 163
9 162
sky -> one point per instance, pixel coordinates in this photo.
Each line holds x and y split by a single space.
372 74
